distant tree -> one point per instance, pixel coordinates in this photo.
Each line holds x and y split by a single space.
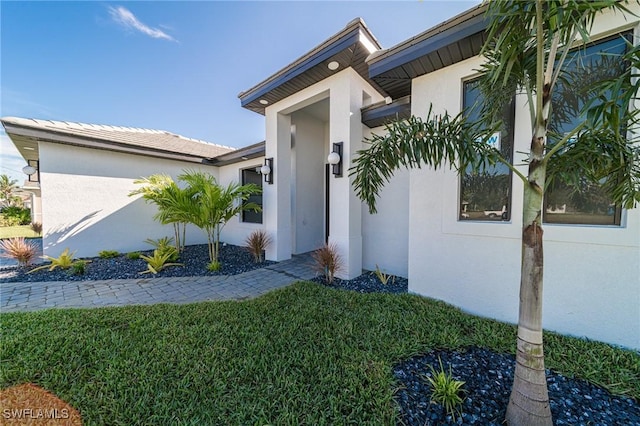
8 186
527 47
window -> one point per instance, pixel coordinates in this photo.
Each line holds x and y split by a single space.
252 176
486 195
582 202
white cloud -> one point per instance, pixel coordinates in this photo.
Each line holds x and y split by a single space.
124 17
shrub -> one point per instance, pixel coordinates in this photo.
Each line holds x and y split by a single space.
64 261
36 227
164 246
8 221
19 214
327 261
18 249
157 262
134 255
445 390
214 266
257 243
108 254
79 267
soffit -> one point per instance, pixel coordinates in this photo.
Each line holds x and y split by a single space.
350 48
455 40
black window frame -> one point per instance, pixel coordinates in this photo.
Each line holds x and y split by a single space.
250 216
502 212
554 213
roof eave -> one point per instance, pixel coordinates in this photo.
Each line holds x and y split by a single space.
355 32
448 32
50 136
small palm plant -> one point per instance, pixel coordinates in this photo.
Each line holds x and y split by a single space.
384 277
158 261
445 390
164 246
328 261
18 249
64 261
257 243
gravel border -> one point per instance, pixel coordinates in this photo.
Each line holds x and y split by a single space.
234 260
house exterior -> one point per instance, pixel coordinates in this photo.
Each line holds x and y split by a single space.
455 239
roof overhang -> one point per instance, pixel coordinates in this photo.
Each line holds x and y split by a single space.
243 154
455 40
383 112
26 139
349 48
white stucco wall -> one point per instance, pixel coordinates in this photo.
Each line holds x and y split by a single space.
385 235
309 153
85 200
592 284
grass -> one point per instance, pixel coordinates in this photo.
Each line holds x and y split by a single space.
17 231
304 354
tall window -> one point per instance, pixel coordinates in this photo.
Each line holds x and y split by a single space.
486 195
252 176
582 202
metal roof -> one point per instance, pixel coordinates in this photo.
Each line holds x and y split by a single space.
26 133
452 41
349 47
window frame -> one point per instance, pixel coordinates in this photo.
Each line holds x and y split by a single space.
245 214
506 211
617 208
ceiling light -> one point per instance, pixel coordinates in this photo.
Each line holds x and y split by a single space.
333 65
264 101
29 148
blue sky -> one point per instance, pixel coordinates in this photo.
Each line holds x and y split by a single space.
175 66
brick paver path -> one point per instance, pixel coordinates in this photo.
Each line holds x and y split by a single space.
16 297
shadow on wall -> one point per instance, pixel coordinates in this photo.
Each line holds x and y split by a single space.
58 236
123 230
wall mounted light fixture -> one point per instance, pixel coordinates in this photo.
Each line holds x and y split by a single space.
32 169
335 159
267 170
29 170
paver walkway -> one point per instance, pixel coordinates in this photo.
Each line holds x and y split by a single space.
19 297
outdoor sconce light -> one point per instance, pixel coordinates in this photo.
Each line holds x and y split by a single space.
335 159
29 170
267 170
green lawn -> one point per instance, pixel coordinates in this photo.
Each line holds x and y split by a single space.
17 231
304 354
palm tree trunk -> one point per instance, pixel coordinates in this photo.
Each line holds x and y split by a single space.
176 233
529 401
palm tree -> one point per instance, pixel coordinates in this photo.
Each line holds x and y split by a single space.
528 43
233 201
7 187
172 202
213 206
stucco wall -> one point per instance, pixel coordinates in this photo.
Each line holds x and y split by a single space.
385 235
85 200
592 273
309 154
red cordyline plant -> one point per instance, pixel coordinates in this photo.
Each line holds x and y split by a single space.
257 242
328 261
18 249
